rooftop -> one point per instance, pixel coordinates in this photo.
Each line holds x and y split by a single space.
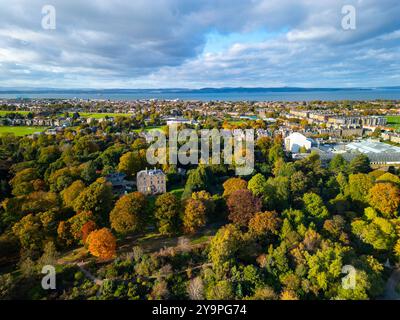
372 146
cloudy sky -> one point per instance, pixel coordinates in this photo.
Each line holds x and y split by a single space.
199 43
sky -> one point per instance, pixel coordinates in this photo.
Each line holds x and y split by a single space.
199 43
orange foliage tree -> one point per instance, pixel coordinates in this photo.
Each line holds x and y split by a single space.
87 228
102 243
385 197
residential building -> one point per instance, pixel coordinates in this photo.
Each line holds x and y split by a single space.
151 182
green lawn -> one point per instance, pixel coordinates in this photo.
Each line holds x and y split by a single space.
20 130
394 122
149 128
102 115
4 112
393 119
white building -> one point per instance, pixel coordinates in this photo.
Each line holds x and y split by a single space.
295 141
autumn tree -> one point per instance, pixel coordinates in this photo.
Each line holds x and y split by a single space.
233 184
194 216
87 228
207 200
22 182
72 192
167 210
385 197
96 198
102 244
29 232
264 223
129 213
242 205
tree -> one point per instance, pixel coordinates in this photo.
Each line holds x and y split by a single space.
223 247
72 192
76 222
131 163
194 216
207 200
389 177
359 185
102 244
30 232
167 210
197 181
22 182
338 164
49 256
129 213
87 228
242 205
380 233
96 198
325 267
314 206
233 184
258 185
276 152
385 197
360 164
195 289
264 223
222 290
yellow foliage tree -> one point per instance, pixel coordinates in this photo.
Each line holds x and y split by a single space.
234 184
195 216
385 197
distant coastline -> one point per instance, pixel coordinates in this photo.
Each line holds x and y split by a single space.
209 94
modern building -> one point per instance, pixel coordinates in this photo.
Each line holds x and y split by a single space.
151 182
296 140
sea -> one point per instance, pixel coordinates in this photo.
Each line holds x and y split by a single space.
212 94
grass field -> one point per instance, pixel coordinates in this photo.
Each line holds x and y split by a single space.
20 131
394 122
4 112
149 128
102 115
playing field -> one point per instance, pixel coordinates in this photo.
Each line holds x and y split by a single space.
20 131
102 115
4 112
394 121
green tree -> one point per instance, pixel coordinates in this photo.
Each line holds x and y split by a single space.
360 164
314 206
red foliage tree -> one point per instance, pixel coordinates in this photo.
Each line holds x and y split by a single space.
242 205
